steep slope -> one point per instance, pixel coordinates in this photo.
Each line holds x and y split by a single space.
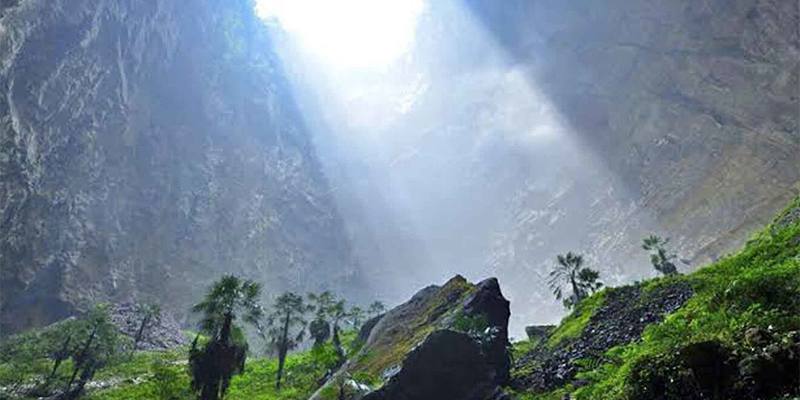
146 148
729 330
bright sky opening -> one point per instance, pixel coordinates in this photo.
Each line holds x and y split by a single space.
347 33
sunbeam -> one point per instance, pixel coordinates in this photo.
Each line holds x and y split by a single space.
437 155
347 33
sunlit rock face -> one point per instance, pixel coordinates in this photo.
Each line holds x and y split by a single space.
146 148
692 106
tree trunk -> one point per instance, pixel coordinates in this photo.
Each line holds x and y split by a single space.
81 359
225 331
337 344
60 356
283 347
575 291
139 334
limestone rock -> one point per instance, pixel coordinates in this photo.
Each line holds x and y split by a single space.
146 148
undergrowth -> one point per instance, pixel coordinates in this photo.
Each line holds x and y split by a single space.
756 289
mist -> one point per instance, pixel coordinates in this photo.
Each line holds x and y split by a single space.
449 160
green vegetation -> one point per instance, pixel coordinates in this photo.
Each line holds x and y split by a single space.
573 324
149 314
285 329
63 357
752 294
164 375
393 346
659 256
375 309
582 281
320 304
215 362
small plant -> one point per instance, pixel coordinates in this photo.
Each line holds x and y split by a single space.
477 327
376 308
356 316
661 259
167 383
582 281
338 314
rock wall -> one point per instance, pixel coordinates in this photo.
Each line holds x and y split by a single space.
695 105
146 148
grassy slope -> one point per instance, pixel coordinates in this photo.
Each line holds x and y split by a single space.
303 369
163 375
757 287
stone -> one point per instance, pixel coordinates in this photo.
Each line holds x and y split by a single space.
447 365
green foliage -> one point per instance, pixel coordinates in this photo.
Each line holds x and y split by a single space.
573 324
163 375
285 328
149 315
168 383
214 363
755 289
470 324
661 259
356 316
320 304
395 345
376 308
62 356
227 299
582 281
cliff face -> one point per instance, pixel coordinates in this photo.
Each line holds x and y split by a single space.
145 149
692 106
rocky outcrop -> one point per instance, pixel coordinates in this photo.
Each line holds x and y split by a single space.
447 341
366 329
146 147
161 333
537 333
621 319
488 302
447 365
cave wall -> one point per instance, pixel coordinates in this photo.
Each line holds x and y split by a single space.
693 104
146 148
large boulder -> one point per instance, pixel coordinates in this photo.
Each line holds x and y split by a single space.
488 301
446 342
447 365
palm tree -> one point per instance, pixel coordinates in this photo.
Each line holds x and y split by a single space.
225 353
321 305
285 328
150 314
102 345
376 308
582 281
338 314
659 257
356 316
